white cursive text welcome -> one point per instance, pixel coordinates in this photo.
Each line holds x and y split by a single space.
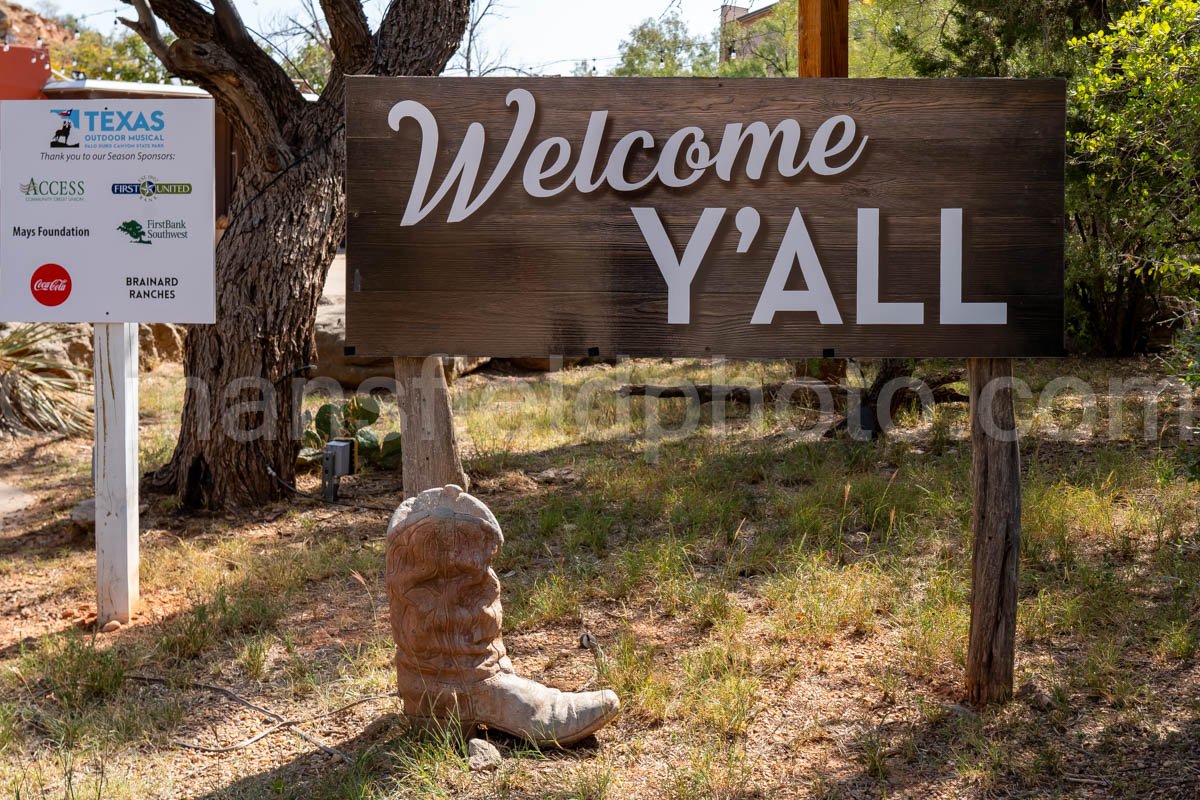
553 166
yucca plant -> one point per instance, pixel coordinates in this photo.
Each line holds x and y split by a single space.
38 393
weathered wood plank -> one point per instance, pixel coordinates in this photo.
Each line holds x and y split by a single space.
508 323
824 38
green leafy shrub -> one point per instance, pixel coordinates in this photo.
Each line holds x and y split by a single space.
1132 190
351 419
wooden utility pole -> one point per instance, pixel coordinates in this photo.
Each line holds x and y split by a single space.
996 477
824 38
824 52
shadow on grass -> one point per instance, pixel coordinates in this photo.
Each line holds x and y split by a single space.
1016 751
390 757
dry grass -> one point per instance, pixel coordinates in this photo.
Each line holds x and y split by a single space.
783 616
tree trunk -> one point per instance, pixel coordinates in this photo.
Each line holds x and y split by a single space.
238 440
997 525
430 452
238 412
865 419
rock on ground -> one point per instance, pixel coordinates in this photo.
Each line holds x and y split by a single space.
483 755
84 515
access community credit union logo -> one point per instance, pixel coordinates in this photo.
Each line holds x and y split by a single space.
50 285
42 191
149 188
107 127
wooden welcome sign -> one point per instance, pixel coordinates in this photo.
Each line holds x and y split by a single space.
705 217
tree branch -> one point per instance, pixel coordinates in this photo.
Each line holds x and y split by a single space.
229 22
350 36
147 28
185 18
417 37
217 52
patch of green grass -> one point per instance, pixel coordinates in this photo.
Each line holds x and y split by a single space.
818 600
551 598
1177 642
253 657
244 610
1051 611
979 757
630 669
74 672
77 696
10 733
67 779
721 691
299 670
369 667
1105 676
590 783
873 755
714 770
935 623
397 762
431 763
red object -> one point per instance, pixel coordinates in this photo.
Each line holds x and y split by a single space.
50 285
23 72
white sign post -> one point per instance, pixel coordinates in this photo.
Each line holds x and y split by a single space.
116 465
107 216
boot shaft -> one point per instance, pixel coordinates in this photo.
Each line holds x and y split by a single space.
443 595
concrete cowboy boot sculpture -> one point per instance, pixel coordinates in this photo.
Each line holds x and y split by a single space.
451 664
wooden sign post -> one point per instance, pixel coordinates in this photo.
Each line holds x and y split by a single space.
996 521
996 483
824 38
823 51
116 471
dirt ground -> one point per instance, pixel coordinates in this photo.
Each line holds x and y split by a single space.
783 615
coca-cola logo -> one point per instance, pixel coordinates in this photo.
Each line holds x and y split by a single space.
50 285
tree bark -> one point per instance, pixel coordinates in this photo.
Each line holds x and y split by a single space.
238 438
997 529
238 415
430 452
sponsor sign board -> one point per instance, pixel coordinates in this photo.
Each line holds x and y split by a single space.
705 217
107 211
